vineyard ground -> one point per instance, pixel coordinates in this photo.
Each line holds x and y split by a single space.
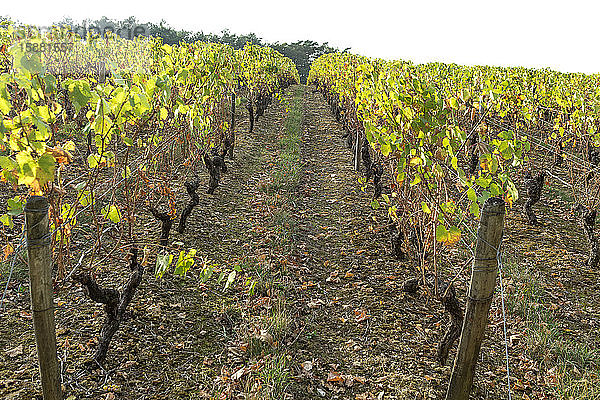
318 311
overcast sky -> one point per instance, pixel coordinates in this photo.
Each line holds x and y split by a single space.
561 35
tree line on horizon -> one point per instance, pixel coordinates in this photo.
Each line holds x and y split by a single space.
301 52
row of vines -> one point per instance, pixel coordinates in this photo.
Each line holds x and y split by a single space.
108 130
446 138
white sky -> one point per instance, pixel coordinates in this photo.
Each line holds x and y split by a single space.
561 35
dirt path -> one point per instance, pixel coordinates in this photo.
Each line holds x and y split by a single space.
359 328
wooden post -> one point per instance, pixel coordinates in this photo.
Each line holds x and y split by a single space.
39 258
250 108
357 154
101 72
481 291
232 127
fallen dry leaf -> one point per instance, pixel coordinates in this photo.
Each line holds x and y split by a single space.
8 250
17 351
315 303
25 314
361 315
238 374
334 376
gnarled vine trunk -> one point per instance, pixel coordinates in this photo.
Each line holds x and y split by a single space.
474 160
558 155
534 186
588 222
397 241
250 115
215 165
232 127
366 159
190 187
166 224
115 302
377 174
452 306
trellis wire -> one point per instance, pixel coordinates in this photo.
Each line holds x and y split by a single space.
504 324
